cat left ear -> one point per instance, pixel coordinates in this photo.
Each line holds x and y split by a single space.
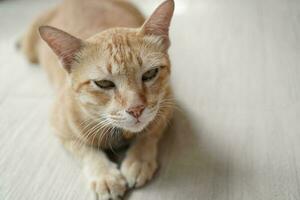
159 22
64 45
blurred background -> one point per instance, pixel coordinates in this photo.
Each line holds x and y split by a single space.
235 136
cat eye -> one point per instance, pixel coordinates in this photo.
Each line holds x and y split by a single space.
149 75
105 84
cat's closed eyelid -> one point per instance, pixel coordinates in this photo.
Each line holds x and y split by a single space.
153 66
105 84
151 75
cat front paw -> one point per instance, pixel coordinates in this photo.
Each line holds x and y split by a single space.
138 172
110 185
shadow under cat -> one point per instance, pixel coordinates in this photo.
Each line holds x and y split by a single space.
188 156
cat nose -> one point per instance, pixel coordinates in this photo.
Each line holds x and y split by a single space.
136 111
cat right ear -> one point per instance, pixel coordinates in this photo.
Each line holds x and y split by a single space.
159 22
64 45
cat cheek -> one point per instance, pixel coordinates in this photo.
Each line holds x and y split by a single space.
102 98
86 99
154 88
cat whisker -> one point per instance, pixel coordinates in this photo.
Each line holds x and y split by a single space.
92 132
99 127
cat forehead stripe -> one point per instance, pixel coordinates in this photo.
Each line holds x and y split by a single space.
109 68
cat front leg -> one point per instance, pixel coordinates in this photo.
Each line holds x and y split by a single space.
102 175
140 162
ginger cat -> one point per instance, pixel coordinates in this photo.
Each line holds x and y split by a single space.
112 85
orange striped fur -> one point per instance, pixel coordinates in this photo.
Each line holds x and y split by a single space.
107 40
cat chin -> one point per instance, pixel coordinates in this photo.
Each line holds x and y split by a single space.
138 127
135 128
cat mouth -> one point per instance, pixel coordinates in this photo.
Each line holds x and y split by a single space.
136 126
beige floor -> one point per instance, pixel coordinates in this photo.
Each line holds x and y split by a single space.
236 74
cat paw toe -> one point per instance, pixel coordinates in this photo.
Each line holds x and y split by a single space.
137 172
110 186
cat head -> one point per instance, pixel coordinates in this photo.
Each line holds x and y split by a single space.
120 75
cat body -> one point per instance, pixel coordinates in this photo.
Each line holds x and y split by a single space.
112 85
